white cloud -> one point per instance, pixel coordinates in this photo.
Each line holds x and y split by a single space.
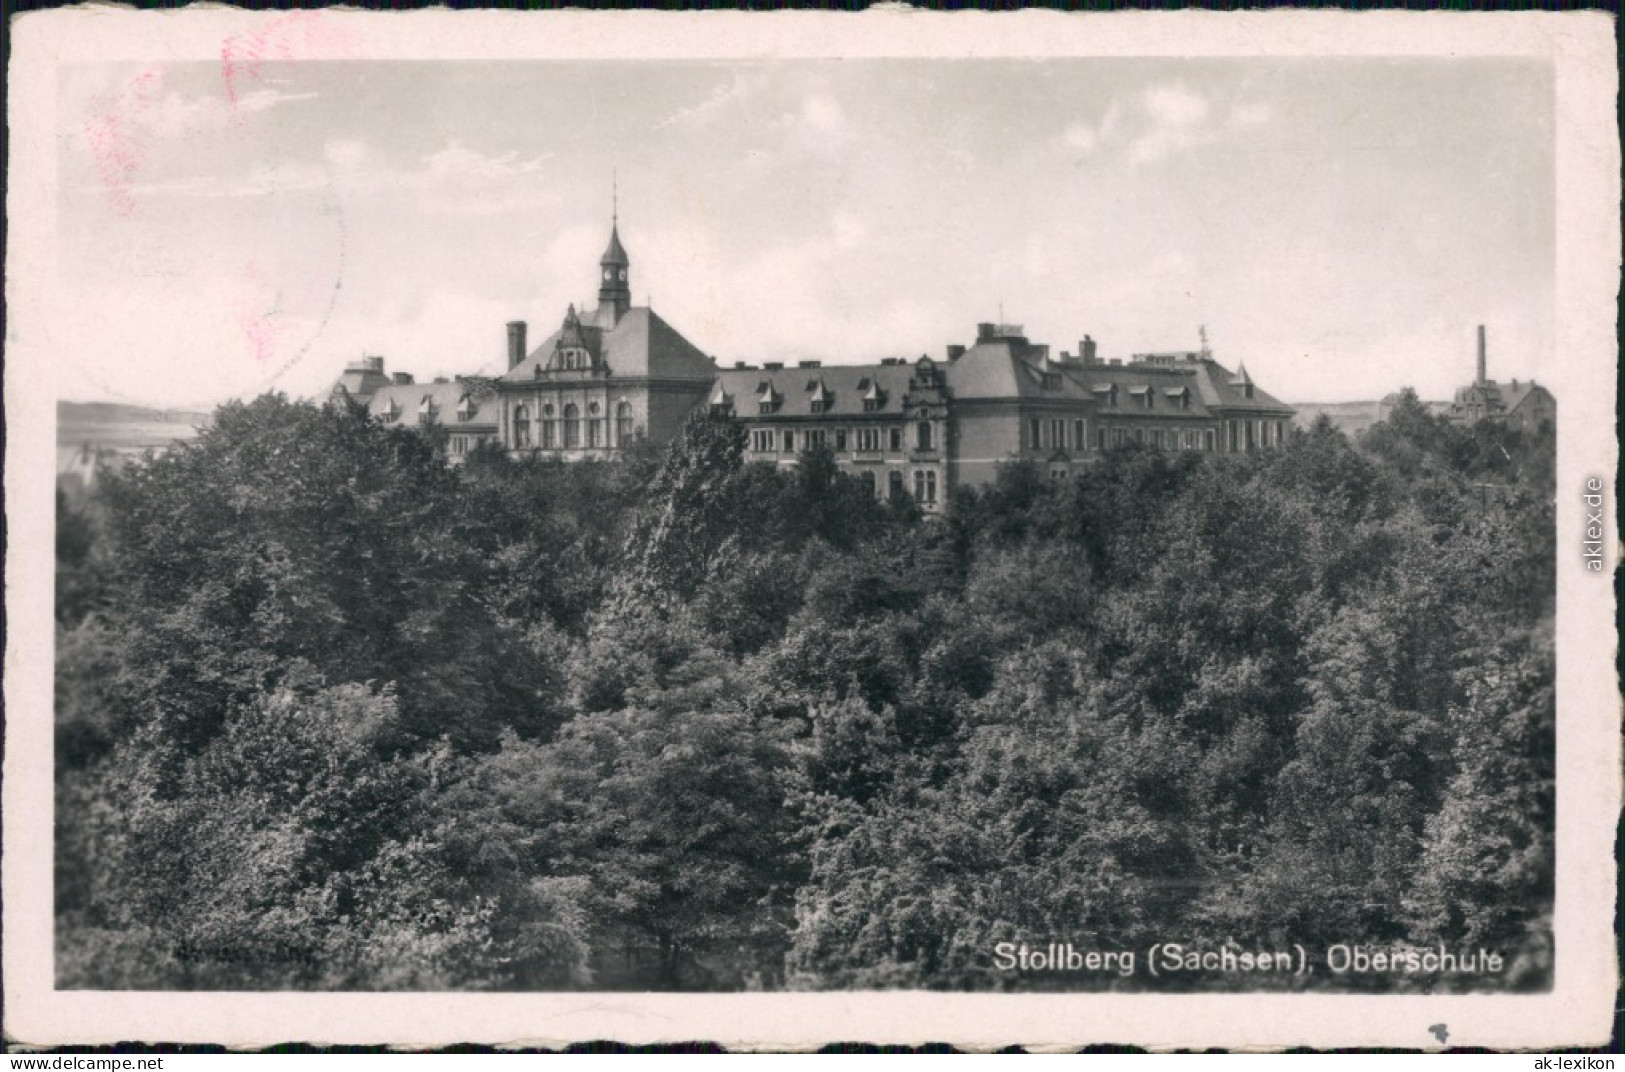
457 163
1081 136
345 154
1181 120
1249 115
739 91
1175 106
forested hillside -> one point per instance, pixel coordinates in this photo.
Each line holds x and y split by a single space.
332 714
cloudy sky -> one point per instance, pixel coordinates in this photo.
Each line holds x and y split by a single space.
1339 225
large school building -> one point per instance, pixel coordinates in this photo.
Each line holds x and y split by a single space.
618 372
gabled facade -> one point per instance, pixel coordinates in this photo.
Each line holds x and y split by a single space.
602 380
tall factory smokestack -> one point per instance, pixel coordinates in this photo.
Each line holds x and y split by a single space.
516 342
1483 364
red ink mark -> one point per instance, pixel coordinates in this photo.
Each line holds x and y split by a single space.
257 315
117 144
300 35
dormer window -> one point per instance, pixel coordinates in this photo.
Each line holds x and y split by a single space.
466 408
1052 381
1145 396
1106 394
874 399
821 396
767 399
1180 397
392 410
426 409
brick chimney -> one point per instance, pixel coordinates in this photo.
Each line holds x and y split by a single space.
516 342
1483 363
1086 350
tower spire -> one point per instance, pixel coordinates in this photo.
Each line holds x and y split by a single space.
614 288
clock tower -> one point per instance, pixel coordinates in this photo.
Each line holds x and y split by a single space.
614 282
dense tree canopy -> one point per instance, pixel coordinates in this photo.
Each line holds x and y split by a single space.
333 713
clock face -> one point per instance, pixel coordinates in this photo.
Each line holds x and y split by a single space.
608 274
623 275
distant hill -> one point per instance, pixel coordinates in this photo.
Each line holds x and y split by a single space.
110 428
1351 418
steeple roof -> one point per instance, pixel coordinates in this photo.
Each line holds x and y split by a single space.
616 253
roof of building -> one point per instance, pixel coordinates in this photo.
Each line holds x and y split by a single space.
403 404
615 253
1010 367
639 344
1497 397
844 389
361 378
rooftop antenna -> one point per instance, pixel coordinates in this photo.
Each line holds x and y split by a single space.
614 197
1201 333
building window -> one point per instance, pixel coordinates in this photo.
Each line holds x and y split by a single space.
922 438
819 407
894 485
896 439
572 427
762 441
868 478
815 438
521 426
1102 436
1080 434
1052 381
871 405
1280 432
1248 426
1057 474
925 486
1207 439
1057 434
623 422
1034 425
789 441
595 426
840 440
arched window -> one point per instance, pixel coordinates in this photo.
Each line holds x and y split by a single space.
894 485
550 427
572 427
922 438
595 426
521 425
623 423
868 479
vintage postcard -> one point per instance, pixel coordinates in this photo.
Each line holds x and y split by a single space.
782 529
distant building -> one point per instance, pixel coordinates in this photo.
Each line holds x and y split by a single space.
620 373
1522 405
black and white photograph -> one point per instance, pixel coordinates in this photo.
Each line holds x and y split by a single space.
603 519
